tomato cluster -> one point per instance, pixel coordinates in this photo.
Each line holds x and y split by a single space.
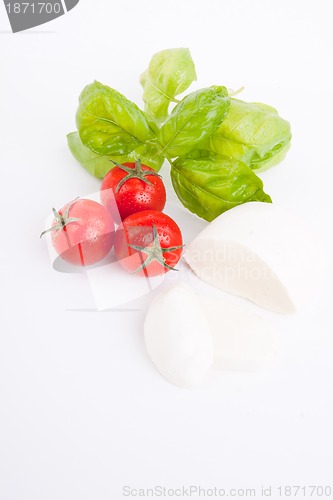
146 241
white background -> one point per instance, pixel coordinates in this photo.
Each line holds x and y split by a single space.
83 411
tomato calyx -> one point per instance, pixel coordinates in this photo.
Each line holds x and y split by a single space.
62 220
154 253
135 173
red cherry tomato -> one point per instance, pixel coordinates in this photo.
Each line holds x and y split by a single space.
133 187
149 243
82 232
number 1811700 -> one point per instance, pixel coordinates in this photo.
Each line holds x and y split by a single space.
34 8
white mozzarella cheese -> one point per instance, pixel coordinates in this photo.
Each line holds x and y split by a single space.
187 334
178 338
243 341
261 252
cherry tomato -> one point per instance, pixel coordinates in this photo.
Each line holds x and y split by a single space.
130 188
82 232
148 243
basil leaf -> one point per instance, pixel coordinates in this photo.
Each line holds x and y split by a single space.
110 124
193 120
149 154
253 133
99 165
208 184
170 72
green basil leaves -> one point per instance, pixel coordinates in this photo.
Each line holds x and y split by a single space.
253 133
213 142
170 72
193 120
208 184
99 165
110 124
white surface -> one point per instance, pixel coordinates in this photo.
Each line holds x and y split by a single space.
83 411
